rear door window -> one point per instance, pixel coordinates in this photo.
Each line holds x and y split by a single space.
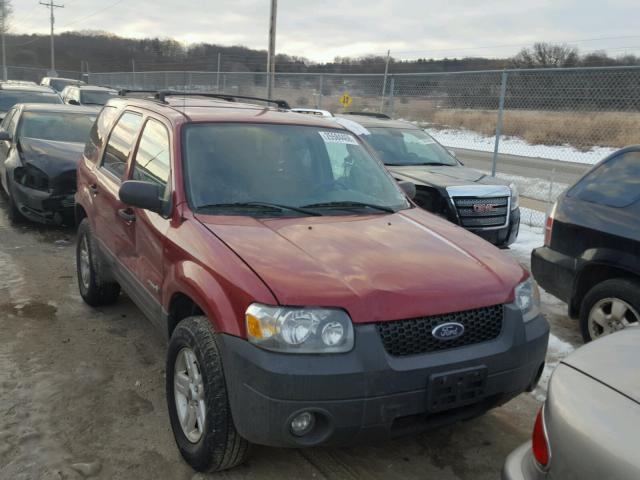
153 159
615 183
98 133
120 143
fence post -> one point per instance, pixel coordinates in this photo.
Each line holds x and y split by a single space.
496 147
392 90
224 82
320 92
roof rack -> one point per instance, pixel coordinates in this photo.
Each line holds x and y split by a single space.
123 92
313 111
163 94
369 114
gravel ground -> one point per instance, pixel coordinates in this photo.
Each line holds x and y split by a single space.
82 390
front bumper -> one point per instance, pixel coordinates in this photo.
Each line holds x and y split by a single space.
505 236
366 394
521 466
43 207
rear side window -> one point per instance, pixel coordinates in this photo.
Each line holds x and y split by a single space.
99 132
152 160
120 143
615 183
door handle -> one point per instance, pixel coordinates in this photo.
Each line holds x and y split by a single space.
93 188
127 215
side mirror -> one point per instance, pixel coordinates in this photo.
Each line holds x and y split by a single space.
409 189
145 195
74 102
4 135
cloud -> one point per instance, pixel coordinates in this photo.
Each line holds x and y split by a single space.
321 30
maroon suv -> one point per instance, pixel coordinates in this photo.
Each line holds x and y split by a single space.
306 300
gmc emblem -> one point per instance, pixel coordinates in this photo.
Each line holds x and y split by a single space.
484 207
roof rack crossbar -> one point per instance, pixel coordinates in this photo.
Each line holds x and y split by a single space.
163 94
369 114
123 91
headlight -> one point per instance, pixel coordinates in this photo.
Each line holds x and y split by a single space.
515 197
528 299
299 330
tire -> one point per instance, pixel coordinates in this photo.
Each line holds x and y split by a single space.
215 444
599 303
94 288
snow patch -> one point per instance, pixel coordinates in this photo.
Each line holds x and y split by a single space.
462 138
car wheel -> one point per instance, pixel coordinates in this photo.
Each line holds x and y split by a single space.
610 306
197 399
94 288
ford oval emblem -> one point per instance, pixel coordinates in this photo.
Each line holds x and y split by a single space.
448 331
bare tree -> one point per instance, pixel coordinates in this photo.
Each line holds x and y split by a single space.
5 23
546 55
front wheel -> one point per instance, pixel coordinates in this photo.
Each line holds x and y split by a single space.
197 399
610 306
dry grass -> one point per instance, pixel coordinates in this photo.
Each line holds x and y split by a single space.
582 130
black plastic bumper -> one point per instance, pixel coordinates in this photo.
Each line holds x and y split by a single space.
554 272
502 237
367 395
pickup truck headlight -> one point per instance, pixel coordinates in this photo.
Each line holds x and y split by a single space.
515 197
528 299
299 330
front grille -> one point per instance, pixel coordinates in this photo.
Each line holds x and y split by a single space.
473 215
412 337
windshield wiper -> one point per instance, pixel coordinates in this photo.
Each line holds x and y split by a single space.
262 206
350 205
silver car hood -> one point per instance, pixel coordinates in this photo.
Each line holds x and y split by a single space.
613 360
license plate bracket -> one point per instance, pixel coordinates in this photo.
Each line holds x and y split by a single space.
457 388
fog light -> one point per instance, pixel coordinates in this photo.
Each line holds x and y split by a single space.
302 423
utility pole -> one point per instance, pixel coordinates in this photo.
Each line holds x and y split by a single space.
271 55
133 71
384 82
218 73
4 52
51 6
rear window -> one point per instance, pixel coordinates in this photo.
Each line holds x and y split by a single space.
8 98
60 84
615 183
99 131
57 126
88 97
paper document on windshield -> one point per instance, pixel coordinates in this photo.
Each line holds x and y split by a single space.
338 137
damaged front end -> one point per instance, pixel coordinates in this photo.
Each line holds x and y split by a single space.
44 182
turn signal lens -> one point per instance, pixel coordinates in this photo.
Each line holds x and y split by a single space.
540 442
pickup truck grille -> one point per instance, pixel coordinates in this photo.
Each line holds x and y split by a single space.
482 212
413 337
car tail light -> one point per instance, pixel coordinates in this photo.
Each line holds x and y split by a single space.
548 228
540 441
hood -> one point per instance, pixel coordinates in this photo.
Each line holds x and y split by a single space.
50 156
377 267
443 176
612 360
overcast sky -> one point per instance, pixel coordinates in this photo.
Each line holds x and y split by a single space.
323 29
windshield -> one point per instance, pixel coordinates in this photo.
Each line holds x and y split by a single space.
398 146
61 127
8 98
96 97
322 170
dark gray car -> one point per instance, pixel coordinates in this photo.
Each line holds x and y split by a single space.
480 203
39 150
588 427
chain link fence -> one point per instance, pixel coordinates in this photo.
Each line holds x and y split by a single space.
35 74
493 119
